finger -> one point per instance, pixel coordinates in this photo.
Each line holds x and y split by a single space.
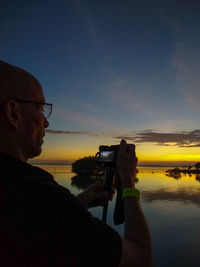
132 148
100 195
112 189
101 203
99 187
135 163
99 199
122 147
111 196
104 195
97 203
95 188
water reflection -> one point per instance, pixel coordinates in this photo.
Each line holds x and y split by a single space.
82 181
183 194
178 175
197 178
172 208
174 175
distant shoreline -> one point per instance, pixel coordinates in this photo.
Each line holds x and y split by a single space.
177 170
69 164
181 164
146 164
52 164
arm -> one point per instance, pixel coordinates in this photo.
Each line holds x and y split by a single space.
136 244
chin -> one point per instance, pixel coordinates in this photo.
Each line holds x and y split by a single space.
39 152
35 153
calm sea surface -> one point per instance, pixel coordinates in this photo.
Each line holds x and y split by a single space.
171 206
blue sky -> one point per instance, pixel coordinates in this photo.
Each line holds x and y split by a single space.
111 68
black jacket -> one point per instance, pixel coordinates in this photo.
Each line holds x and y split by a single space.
43 225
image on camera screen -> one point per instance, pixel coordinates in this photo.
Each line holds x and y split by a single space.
106 156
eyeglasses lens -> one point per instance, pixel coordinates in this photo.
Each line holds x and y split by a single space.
47 109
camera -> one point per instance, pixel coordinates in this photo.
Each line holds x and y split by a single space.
108 154
107 157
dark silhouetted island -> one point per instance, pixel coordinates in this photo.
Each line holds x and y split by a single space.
195 169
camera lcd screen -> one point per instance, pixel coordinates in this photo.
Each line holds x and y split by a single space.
106 156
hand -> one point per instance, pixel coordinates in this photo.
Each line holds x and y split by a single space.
95 195
126 164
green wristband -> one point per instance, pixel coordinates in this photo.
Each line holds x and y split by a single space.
130 192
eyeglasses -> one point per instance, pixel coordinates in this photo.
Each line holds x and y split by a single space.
47 108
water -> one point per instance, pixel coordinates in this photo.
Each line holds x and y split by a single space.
172 209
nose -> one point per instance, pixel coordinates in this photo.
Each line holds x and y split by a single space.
46 123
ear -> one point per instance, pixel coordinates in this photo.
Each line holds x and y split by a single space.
13 113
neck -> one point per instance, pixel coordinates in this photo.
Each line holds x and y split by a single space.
8 146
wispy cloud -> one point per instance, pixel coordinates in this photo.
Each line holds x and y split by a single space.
181 139
79 117
55 132
90 120
186 56
86 105
124 93
187 62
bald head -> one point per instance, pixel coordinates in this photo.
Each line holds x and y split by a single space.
15 82
22 121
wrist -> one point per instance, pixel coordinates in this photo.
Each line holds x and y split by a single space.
127 183
130 192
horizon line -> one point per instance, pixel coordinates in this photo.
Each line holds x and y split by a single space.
141 164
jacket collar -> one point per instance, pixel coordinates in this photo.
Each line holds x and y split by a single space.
10 166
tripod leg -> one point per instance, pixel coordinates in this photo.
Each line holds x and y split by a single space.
118 216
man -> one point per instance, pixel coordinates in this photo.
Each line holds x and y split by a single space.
42 223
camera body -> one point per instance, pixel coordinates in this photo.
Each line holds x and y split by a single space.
107 157
108 154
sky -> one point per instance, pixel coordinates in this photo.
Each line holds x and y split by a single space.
112 69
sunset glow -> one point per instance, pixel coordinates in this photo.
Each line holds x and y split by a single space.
112 70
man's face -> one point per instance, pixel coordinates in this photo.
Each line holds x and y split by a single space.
34 123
